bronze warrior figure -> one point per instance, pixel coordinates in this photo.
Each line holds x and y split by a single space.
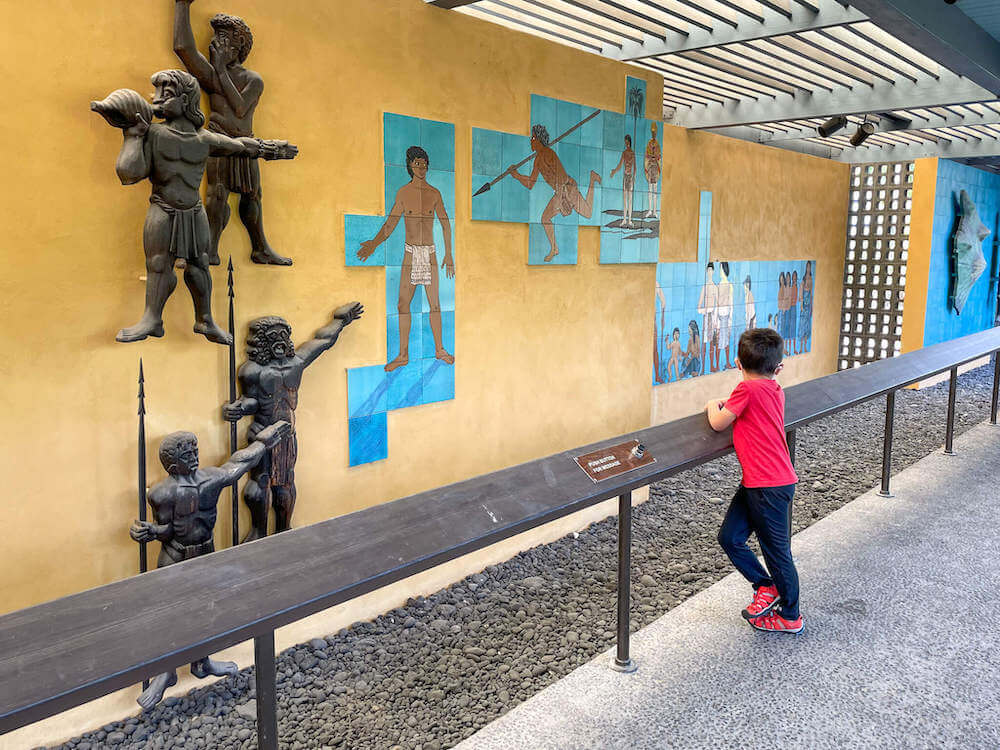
185 507
233 92
172 156
269 383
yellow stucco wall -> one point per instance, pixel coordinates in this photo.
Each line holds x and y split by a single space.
542 362
918 257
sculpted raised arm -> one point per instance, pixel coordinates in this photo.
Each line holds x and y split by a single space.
327 336
187 50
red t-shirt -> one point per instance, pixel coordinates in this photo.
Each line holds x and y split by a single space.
759 433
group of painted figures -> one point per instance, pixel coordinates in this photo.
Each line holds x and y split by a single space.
181 232
707 344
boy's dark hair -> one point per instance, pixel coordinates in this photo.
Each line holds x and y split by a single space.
710 265
760 350
412 154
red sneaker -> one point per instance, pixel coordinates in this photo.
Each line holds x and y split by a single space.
775 623
765 598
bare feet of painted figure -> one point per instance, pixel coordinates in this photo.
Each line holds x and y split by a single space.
417 202
567 197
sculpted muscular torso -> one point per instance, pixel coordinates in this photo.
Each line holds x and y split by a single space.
233 93
269 384
173 155
185 506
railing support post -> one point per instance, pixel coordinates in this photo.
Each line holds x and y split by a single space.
790 439
622 662
996 387
267 694
890 411
949 435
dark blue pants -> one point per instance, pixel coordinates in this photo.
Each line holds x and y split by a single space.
766 512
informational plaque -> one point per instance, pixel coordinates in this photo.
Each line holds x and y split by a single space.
618 459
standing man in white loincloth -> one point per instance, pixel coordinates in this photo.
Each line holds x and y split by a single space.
708 303
418 202
725 317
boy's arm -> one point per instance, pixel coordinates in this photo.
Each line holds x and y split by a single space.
719 417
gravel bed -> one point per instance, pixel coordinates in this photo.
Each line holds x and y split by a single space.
429 674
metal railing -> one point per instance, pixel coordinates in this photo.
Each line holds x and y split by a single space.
47 652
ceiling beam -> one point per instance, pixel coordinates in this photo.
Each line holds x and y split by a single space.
887 124
449 4
984 147
941 32
882 97
801 18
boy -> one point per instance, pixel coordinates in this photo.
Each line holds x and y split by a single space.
763 502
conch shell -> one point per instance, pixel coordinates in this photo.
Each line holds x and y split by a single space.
122 107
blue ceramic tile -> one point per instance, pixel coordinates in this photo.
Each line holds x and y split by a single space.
592 131
569 155
415 346
538 200
515 148
649 251
487 153
544 111
394 246
447 334
358 229
539 248
486 206
444 182
438 381
611 247
405 388
567 116
399 133
368 439
395 178
446 290
630 251
367 391
614 131
438 140
611 159
635 83
515 199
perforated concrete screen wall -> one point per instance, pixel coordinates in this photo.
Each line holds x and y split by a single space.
878 241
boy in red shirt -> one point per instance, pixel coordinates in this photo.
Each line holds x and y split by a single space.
763 502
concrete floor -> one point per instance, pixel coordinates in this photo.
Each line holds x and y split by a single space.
901 649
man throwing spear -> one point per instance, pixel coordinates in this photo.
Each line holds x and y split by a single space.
567 197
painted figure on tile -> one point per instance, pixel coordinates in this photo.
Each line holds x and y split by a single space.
751 307
780 318
805 311
417 202
725 317
233 92
269 387
185 506
691 364
172 155
653 165
627 164
657 332
676 355
791 342
708 304
567 197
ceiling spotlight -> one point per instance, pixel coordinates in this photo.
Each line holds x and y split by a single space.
864 130
831 126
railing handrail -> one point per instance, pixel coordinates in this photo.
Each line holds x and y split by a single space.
62 653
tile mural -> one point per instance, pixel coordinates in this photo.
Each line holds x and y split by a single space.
703 307
578 167
419 170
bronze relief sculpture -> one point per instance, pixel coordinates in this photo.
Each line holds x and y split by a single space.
269 383
172 155
185 506
233 92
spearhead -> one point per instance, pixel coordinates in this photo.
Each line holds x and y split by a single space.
231 295
485 188
142 390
